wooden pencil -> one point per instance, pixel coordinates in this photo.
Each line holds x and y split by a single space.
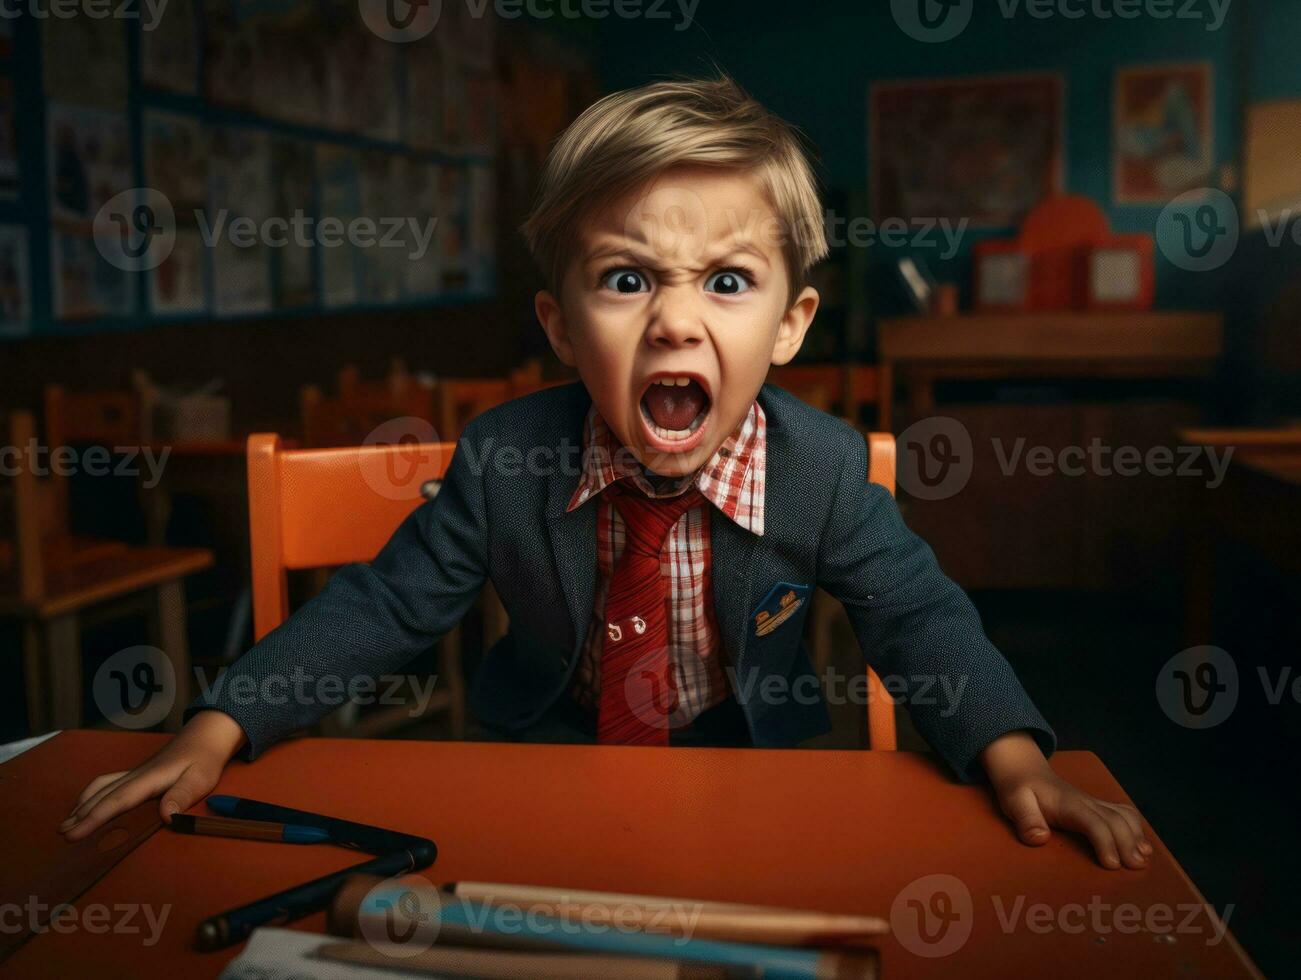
484 964
733 922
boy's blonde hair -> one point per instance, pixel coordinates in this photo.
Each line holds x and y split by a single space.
630 137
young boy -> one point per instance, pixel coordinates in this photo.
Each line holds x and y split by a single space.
655 532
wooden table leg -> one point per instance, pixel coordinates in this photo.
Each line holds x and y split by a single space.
36 679
172 640
1199 581
885 399
63 663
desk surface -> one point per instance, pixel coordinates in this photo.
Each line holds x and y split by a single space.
1092 338
843 831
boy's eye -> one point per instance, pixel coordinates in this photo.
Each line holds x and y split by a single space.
727 282
626 281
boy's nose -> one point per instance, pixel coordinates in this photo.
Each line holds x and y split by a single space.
675 320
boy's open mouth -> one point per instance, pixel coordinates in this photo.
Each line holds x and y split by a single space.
675 409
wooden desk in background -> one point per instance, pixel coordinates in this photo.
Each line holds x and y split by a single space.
1258 505
1124 379
918 351
838 831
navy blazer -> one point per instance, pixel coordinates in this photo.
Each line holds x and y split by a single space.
501 515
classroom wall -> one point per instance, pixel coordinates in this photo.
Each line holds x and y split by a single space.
813 65
1266 309
264 359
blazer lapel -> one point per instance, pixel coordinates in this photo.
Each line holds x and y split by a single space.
733 574
573 542
573 534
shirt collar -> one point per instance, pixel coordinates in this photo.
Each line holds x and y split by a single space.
732 479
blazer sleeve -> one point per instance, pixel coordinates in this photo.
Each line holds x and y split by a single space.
917 628
369 619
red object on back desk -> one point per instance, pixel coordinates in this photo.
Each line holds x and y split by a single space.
840 831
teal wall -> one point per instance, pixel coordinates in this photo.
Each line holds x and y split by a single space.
812 64
1273 30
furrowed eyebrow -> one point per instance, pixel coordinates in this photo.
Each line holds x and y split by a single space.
711 258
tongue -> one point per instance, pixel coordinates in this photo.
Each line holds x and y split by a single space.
676 407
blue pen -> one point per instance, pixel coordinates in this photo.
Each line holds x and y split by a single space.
288 833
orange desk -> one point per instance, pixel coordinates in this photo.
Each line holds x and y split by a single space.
843 831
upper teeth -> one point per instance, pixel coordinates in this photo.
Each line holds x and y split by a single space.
672 382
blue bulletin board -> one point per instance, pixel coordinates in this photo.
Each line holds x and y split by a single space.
217 159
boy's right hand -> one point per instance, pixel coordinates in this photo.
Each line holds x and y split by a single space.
183 772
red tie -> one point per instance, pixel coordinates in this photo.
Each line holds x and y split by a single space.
637 689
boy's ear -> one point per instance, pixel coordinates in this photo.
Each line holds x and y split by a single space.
552 318
795 324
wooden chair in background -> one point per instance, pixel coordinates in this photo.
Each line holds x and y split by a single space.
461 399
50 579
320 508
358 412
844 389
881 733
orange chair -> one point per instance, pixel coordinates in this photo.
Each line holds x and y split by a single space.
293 525
298 501
51 580
881 732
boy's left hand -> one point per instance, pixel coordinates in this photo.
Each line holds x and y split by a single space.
1034 798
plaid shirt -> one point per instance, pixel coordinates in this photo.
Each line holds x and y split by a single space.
733 481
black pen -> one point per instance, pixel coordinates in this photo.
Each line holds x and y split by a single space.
346 833
235 925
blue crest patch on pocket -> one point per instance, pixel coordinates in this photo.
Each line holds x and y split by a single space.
781 603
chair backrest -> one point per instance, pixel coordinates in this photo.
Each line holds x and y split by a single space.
25 563
399 378
317 508
881 733
847 387
461 399
355 414
102 418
